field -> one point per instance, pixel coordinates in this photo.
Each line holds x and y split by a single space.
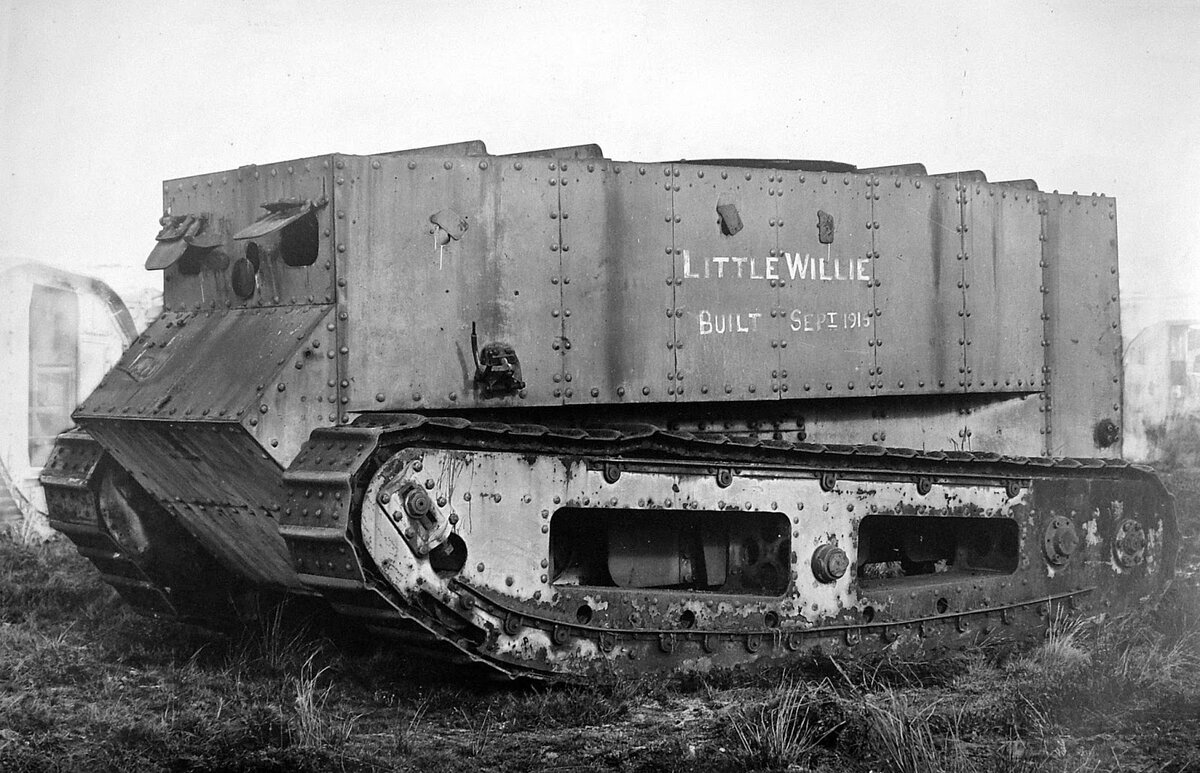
85 684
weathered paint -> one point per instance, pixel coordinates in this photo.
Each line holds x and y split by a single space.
887 311
503 504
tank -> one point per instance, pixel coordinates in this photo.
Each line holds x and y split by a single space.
567 416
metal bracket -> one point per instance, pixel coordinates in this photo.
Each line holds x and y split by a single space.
497 368
279 214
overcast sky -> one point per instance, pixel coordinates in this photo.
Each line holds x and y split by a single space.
100 101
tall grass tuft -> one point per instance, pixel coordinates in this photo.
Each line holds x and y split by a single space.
1065 650
901 732
787 727
312 725
274 642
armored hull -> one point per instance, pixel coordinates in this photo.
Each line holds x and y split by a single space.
564 415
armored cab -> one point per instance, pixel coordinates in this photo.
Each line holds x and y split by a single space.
564 415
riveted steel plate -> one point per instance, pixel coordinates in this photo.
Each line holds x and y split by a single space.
301 396
207 366
616 281
919 293
468 148
1002 250
215 481
826 292
1008 424
234 200
412 298
726 321
1083 354
273 220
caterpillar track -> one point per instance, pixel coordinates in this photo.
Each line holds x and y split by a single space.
388 520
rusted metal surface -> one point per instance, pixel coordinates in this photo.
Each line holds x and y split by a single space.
509 604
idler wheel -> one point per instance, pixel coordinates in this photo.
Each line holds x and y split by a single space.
1061 540
1129 545
829 563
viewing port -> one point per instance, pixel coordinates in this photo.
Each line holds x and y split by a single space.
895 548
745 552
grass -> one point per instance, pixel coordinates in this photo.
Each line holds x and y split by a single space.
86 684
788 727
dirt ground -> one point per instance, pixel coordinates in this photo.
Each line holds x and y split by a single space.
86 685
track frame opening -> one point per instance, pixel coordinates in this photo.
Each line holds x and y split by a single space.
743 552
915 548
